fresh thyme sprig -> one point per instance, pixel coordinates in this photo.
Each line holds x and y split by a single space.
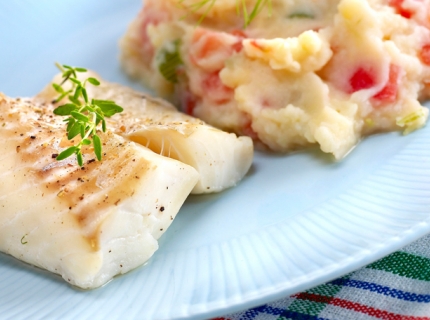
84 115
241 9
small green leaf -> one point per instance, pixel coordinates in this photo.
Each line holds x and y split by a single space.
67 67
67 153
74 130
109 109
84 94
79 116
79 158
93 81
75 101
81 69
99 118
65 109
70 123
97 147
77 93
170 61
88 108
86 142
66 75
83 129
102 102
76 81
104 125
58 88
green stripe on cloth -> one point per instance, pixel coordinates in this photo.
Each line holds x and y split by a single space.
321 297
307 307
328 290
404 264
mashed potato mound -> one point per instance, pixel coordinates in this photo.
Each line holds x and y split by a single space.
302 73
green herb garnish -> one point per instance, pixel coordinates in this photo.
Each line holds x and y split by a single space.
254 12
84 115
22 239
170 60
301 15
241 9
409 121
410 118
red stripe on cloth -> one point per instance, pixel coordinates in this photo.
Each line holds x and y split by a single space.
373 311
381 314
314 297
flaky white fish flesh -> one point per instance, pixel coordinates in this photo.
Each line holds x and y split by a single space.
87 223
222 159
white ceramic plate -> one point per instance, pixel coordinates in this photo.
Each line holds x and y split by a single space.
294 222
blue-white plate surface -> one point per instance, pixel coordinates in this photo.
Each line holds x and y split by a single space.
294 222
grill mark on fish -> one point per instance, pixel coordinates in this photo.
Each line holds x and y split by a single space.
84 193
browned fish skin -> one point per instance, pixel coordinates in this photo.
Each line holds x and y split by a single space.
86 223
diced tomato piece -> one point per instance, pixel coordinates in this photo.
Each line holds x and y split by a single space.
189 103
361 79
398 5
210 49
212 43
238 46
364 79
255 44
239 33
425 54
215 89
212 81
389 92
209 42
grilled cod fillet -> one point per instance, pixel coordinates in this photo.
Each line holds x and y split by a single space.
87 224
222 159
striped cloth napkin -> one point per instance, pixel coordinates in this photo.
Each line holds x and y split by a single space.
396 287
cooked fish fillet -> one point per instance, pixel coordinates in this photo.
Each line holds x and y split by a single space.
222 159
87 223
